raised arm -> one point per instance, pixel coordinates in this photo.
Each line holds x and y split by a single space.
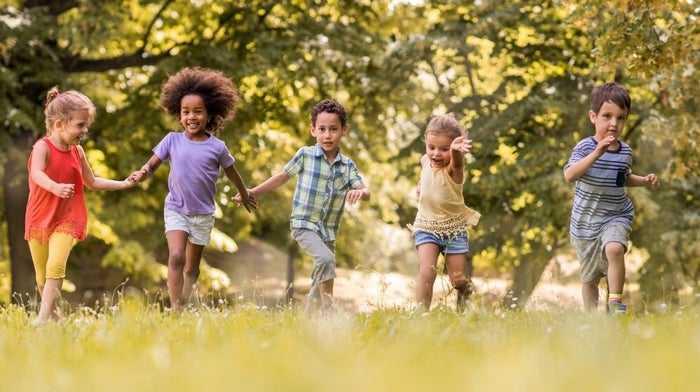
579 168
460 146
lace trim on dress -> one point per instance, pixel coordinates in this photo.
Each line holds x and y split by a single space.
42 234
445 229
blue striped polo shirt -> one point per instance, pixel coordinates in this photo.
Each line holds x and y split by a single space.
599 194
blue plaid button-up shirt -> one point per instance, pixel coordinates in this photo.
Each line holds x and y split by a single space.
319 198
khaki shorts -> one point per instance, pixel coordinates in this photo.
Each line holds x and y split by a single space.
591 252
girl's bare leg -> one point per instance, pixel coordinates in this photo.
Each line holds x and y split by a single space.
427 260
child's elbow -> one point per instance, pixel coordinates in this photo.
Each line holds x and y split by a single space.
569 176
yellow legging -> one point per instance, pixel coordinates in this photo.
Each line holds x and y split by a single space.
50 258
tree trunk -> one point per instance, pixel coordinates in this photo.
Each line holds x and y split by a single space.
16 191
525 278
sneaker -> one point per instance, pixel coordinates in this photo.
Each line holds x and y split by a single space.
617 307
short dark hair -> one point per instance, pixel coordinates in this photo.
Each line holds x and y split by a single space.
329 106
613 92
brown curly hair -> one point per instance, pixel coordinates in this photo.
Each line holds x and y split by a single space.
216 89
329 106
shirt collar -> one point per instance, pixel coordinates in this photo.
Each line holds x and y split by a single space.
319 153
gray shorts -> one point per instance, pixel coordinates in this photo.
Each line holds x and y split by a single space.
322 254
199 227
591 252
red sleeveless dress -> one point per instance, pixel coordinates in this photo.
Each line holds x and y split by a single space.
47 213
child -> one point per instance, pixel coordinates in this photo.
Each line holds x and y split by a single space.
442 219
56 213
201 99
327 179
601 217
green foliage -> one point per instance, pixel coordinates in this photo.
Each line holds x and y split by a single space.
131 258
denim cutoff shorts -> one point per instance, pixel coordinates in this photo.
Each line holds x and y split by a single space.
448 245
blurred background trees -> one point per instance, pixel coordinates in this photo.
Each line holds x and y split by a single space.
517 73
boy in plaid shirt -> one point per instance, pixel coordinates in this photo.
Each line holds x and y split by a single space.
327 179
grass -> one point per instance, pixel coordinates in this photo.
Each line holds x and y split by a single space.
136 347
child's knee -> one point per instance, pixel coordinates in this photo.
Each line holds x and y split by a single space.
428 272
326 262
615 250
176 259
55 271
191 273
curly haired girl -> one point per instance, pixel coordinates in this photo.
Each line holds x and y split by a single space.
201 100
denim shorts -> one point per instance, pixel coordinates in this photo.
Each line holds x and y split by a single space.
199 227
450 245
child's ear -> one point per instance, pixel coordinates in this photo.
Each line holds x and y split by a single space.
592 116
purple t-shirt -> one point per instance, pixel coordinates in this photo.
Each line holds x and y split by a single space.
194 170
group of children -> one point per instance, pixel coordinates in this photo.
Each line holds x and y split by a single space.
201 100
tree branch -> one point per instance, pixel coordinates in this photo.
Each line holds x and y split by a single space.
137 59
153 22
56 7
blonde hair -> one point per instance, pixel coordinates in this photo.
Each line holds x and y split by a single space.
61 105
445 124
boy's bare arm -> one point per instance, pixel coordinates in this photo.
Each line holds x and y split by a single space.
649 181
359 193
270 184
579 168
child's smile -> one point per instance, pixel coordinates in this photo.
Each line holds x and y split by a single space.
194 116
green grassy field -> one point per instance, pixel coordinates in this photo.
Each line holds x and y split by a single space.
135 347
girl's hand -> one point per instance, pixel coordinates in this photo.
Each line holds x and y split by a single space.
248 201
64 191
461 144
129 183
137 176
